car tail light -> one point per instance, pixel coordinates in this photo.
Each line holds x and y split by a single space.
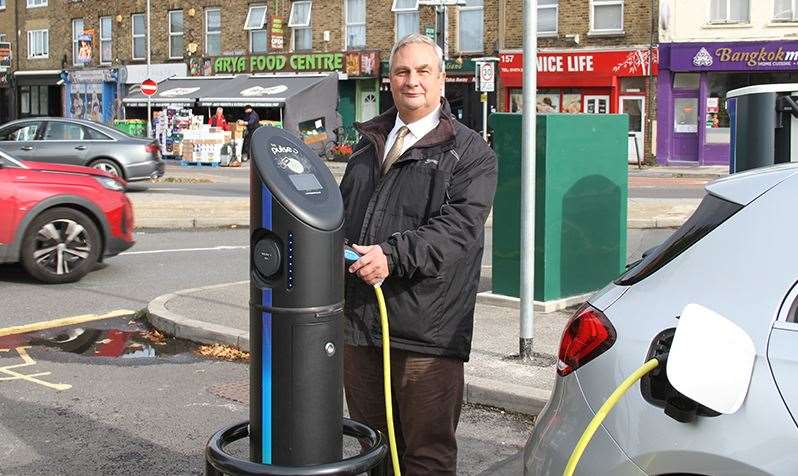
588 334
152 148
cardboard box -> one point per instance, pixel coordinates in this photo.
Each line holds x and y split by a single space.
187 151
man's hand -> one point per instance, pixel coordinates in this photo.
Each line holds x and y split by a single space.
372 267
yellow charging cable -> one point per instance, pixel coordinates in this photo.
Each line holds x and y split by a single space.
386 372
602 414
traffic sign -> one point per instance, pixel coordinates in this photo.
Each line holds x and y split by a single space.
487 76
148 87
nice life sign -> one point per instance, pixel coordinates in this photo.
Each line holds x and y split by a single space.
355 63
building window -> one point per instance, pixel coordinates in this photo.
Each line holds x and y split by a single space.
406 15
548 12
213 32
77 30
139 34
2 4
785 10
729 11
38 44
606 15
299 21
106 46
255 23
33 101
176 34
355 24
470 27
36 3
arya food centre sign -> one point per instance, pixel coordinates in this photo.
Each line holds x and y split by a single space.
353 63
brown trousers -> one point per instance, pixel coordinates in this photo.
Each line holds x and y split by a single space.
427 396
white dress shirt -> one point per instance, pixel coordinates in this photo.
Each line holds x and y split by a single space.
418 129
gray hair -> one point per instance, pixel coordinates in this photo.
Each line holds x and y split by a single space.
415 38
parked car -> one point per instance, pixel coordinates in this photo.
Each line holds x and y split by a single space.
736 256
78 142
60 220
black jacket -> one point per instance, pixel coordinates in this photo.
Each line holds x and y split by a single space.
428 214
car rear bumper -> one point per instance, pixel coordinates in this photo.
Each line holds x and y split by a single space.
557 430
145 170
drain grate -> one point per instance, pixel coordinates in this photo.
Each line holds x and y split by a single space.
236 391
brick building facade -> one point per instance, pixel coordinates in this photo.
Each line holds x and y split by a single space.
594 56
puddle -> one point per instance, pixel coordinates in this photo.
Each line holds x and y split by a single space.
118 339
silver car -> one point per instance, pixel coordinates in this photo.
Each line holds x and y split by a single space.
737 256
79 142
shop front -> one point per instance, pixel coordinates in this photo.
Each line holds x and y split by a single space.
692 119
358 74
582 81
7 109
92 94
38 93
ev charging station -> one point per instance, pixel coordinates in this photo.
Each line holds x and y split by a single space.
764 126
296 323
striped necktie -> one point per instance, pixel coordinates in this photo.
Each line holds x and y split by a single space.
396 149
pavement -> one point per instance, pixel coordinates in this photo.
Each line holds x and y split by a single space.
219 313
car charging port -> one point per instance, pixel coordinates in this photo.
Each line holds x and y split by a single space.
658 391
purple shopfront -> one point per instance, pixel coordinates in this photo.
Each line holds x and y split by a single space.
692 120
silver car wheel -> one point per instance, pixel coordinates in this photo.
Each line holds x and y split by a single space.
106 167
61 245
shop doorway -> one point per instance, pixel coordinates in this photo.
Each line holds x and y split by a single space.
634 106
685 126
596 104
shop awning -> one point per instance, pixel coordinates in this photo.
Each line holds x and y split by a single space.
178 90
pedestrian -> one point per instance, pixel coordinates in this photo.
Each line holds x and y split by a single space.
218 120
252 121
417 190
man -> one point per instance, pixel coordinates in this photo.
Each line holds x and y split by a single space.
218 120
417 191
252 121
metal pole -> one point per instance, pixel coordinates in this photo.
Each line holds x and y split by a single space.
485 118
150 131
528 180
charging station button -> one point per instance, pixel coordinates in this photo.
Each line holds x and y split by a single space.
267 257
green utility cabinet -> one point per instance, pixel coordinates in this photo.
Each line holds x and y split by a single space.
580 203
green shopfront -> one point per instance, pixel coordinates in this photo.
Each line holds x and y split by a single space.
358 74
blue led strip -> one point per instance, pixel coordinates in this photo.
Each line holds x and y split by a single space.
266 346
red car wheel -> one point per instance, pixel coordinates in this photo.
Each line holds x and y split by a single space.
60 246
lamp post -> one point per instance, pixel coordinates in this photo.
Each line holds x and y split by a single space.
149 100
528 159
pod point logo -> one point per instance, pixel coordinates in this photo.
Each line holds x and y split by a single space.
703 58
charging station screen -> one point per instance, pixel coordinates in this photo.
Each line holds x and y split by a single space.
305 182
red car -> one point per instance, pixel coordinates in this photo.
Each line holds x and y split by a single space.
60 220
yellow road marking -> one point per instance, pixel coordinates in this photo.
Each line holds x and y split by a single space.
28 361
65 321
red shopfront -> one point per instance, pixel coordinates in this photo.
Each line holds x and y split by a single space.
595 82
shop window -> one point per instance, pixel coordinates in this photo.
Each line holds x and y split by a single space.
548 101
77 31
213 32
256 24
406 16
470 27
313 131
139 34
548 12
106 44
606 15
686 80
355 24
571 101
299 22
38 44
635 84
516 100
785 10
176 34
685 115
729 11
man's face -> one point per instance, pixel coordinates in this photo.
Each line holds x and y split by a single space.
416 81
